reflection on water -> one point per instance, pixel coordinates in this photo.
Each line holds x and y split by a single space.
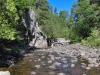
48 63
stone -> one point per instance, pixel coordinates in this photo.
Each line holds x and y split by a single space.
41 43
33 73
91 65
52 57
83 53
63 59
65 66
4 73
52 73
50 61
61 40
96 65
39 60
30 60
42 57
37 66
57 58
83 65
72 65
43 63
36 37
35 60
65 62
61 74
57 63
88 68
74 60
84 74
52 67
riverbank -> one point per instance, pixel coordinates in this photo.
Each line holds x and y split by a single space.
78 50
74 59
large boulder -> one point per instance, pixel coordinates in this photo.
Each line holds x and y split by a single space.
60 42
39 42
34 35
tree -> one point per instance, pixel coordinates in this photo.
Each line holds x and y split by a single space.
8 20
55 11
63 15
87 18
52 24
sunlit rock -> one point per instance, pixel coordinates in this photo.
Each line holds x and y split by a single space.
88 68
83 65
57 63
61 74
37 66
72 65
33 73
50 61
4 73
34 36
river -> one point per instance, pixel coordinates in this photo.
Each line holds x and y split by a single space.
51 63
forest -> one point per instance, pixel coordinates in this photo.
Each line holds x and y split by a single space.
81 26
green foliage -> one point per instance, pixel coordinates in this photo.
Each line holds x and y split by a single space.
63 15
8 20
23 4
94 39
52 24
88 17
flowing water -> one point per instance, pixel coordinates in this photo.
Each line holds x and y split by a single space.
51 63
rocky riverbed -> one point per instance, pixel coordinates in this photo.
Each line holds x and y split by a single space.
78 50
72 59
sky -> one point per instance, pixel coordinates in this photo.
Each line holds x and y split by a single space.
62 4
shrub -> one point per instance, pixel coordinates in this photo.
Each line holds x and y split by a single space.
94 39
